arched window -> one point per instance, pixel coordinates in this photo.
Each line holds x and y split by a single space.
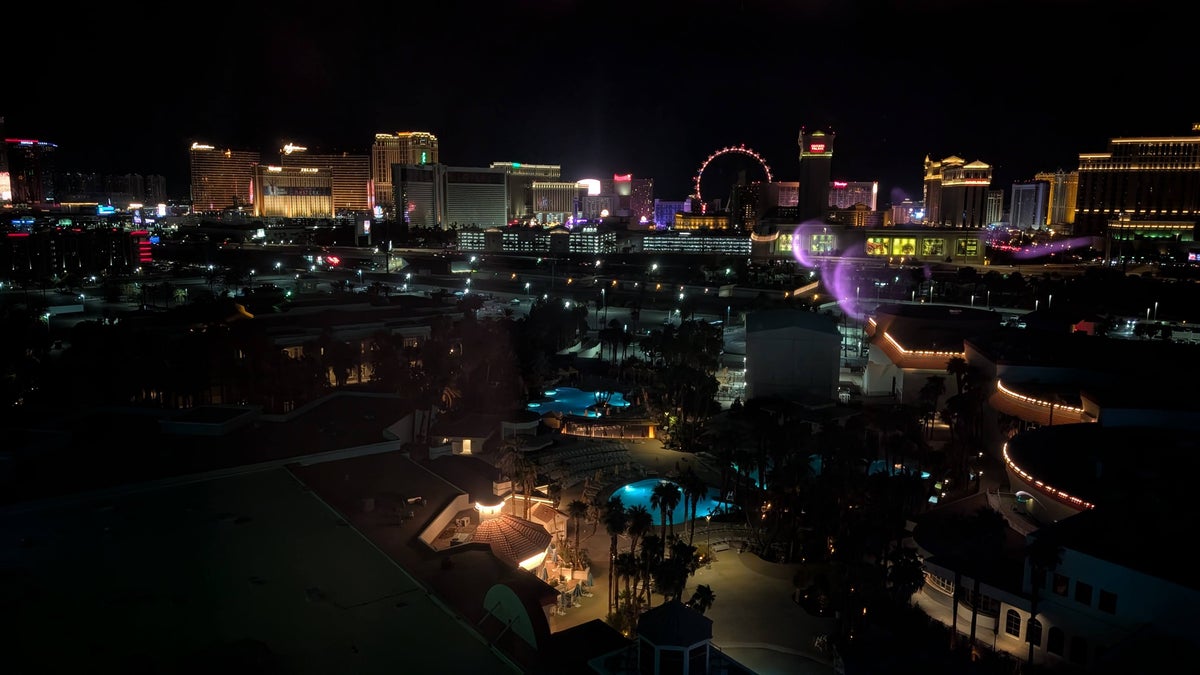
1056 641
1012 623
1033 632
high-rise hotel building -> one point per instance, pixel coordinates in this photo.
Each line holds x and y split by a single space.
1029 203
406 148
816 164
439 196
1064 190
292 192
351 190
1152 180
222 179
30 170
956 192
520 180
846 194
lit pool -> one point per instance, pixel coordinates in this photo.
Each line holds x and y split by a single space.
639 493
574 401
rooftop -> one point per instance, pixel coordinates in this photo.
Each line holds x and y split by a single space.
222 575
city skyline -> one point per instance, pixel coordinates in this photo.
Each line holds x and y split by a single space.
609 90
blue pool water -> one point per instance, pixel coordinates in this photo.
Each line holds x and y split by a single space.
639 493
574 401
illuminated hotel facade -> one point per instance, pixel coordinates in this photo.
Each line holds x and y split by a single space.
1064 190
556 202
845 194
520 178
404 147
30 171
350 175
1139 179
956 192
222 179
293 192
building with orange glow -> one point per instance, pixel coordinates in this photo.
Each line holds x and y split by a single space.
956 192
405 148
293 192
1139 179
350 175
1064 191
222 179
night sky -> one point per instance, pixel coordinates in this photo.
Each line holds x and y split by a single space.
648 88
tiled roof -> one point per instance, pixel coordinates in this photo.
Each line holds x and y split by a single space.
513 538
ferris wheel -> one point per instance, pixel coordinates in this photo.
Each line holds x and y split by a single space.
729 150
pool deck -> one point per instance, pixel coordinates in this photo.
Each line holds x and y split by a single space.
754 618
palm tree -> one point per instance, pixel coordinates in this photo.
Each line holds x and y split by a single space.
984 547
702 598
627 567
1044 554
577 510
665 497
930 393
616 521
694 489
640 522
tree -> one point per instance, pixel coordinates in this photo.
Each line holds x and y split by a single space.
702 598
1043 554
957 366
640 522
616 521
931 392
694 489
577 510
984 547
665 497
906 574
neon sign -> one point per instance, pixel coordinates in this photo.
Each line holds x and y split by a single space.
816 147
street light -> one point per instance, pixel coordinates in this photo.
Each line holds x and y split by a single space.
1156 310
708 531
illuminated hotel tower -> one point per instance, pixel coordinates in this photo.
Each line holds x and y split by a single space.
956 193
222 179
405 147
350 173
816 164
1064 189
1153 179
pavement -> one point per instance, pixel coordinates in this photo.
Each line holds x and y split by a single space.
755 620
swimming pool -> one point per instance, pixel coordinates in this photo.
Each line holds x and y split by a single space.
574 401
639 493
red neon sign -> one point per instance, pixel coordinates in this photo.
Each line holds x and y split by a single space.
622 179
816 147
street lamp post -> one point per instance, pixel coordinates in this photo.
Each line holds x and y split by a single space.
708 533
603 301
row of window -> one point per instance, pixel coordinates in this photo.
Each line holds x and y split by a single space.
1055 641
1106 600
